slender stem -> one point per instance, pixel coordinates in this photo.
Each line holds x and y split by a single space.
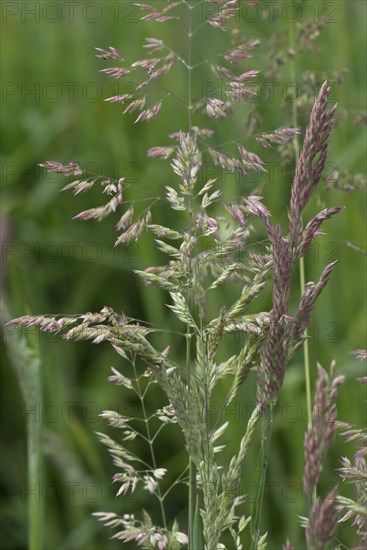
306 354
302 276
183 24
35 466
206 393
192 469
178 480
177 56
172 94
267 425
190 66
150 442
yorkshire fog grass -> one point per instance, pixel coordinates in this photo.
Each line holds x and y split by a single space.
217 241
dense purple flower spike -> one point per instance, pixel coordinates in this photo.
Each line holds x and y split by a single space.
320 435
285 334
311 163
275 350
321 524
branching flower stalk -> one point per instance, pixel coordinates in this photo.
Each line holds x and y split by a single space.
193 272
150 440
286 254
193 504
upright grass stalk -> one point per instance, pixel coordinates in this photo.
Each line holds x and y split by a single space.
24 355
192 469
302 271
193 519
286 254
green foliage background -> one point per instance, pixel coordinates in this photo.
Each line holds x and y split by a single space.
39 126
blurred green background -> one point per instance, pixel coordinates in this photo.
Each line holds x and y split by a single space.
53 109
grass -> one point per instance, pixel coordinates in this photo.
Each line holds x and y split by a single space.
36 128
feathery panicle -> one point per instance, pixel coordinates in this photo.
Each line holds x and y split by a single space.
311 163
